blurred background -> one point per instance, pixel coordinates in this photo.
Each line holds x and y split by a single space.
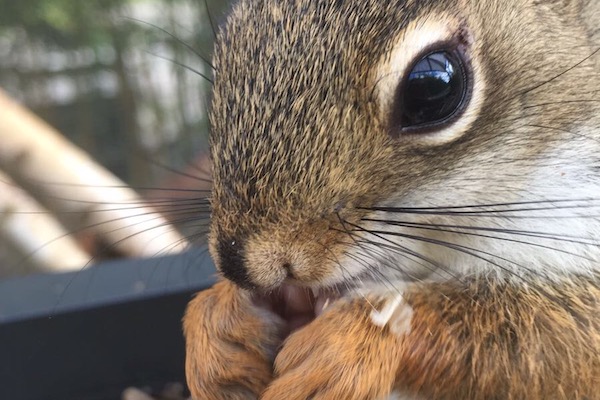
121 79
125 81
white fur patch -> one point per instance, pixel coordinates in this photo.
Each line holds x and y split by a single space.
549 239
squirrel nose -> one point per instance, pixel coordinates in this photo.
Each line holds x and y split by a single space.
232 263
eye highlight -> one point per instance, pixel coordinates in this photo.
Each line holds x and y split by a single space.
433 94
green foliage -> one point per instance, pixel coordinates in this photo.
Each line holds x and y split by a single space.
152 110
64 23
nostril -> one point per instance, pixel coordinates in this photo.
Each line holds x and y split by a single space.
232 262
288 268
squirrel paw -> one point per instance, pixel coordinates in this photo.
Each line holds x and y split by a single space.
340 355
230 344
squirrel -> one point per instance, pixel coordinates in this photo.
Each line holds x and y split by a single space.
405 202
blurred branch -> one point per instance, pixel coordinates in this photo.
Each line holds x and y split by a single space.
34 234
84 67
69 183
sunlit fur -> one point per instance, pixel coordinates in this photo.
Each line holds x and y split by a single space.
489 227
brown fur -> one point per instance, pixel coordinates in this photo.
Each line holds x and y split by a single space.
301 147
489 340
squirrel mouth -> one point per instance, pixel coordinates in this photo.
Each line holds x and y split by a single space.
298 306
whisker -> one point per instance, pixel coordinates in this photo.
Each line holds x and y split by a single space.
99 224
181 173
451 210
531 89
182 65
554 103
137 188
504 204
157 207
177 39
466 250
210 19
401 251
436 266
375 269
565 131
352 236
539 235
346 281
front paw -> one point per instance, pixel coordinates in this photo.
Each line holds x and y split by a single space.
340 355
230 344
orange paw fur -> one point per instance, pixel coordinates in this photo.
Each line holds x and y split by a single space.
230 344
340 355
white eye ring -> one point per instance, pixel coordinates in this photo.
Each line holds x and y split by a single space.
415 39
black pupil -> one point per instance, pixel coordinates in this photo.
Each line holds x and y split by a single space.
434 90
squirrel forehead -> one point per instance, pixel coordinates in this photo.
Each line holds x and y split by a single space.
293 91
277 52
296 116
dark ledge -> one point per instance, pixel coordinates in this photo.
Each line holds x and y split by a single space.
91 334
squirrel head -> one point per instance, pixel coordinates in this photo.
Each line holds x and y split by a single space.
320 129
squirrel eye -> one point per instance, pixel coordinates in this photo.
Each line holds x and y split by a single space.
433 93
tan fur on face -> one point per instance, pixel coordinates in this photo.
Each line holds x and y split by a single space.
301 135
